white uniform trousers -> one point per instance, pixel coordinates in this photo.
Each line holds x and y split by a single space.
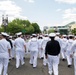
45 61
4 65
75 65
63 54
53 62
33 58
69 59
13 52
43 52
40 53
19 58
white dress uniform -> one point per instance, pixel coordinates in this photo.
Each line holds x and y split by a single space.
44 42
73 50
19 44
33 47
40 48
4 56
60 42
68 51
63 48
13 49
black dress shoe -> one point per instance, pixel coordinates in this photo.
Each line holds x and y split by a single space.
34 67
69 66
42 57
63 59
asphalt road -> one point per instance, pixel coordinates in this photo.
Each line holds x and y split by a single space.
27 69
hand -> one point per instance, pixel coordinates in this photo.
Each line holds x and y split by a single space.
64 50
41 48
71 56
25 51
28 50
9 55
46 56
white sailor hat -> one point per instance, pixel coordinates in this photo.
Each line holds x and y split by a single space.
33 34
4 33
52 35
19 33
10 36
40 36
7 34
45 35
64 35
58 33
70 35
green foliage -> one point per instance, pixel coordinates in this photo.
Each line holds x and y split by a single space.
36 28
63 31
1 29
26 23
14 28
29 29
19 25
50 30
74 31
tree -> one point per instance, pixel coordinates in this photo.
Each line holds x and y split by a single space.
26 23
14 27
29 29
1 29
51 30
19 25
36 28
74 31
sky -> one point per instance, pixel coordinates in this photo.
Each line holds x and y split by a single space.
44 12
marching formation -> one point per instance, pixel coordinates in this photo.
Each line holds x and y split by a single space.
48 47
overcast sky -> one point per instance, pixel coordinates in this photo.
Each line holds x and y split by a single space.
44 12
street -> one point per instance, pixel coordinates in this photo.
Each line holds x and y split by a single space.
27 69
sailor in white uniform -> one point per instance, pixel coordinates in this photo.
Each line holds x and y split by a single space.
4 54
44 42
63 47
33 47
13 48
40 39
57 37
20 47
68 50
73 54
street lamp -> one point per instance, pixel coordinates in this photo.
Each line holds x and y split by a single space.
4 21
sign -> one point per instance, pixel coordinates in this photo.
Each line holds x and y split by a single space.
23 31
